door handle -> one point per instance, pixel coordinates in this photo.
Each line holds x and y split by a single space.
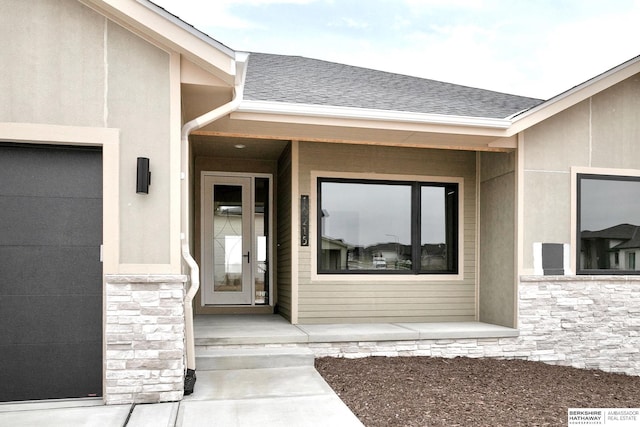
248 257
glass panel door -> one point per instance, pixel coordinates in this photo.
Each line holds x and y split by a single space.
227 241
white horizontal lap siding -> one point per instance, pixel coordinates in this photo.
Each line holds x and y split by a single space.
395 299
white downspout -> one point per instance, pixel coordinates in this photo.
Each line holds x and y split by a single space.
194 271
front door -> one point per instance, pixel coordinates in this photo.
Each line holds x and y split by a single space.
235 231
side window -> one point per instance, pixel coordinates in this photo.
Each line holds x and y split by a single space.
387 227
608 224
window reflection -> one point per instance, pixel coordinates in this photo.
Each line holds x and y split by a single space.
365 226
370 226
608 223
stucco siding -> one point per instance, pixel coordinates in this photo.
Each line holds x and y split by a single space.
341 299
138 102
497 285
547 210
550 149
52 63
559 142
602 131
65 64
616 126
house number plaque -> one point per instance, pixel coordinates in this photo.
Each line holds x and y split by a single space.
304 220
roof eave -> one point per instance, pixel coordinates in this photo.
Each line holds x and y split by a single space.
322 114
575 95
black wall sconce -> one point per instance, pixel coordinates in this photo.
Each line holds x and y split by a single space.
143 180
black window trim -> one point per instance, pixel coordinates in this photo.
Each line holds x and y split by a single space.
601 177
453 232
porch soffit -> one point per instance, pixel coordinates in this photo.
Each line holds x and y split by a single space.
191 73
198 99
226 147
230 128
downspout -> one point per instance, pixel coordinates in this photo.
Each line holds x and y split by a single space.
194 271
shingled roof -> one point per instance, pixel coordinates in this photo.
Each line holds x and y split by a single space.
299 80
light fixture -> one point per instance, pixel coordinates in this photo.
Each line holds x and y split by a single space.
240 146
143 180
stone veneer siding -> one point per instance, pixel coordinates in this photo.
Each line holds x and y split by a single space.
588 322
581 321
144 338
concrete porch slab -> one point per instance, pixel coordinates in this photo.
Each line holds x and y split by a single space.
240 330
358 332
245 329
459 330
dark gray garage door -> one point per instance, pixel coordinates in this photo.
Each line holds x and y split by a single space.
50 272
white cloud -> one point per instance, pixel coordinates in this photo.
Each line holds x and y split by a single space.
449 4
206 15
400 23
349 23
574 52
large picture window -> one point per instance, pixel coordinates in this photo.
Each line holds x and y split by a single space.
608 224
387 227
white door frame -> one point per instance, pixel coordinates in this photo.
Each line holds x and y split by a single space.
207 180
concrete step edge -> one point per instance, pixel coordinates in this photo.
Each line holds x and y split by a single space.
221 351
228 359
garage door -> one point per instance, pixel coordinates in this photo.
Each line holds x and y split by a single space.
50 272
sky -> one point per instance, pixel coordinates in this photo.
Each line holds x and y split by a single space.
536 48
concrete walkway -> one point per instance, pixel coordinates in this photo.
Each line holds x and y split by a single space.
275 397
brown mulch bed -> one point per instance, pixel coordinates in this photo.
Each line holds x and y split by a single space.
429 391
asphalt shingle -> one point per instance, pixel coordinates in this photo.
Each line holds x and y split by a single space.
299 80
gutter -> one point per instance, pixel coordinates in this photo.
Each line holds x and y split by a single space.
353 113
241 59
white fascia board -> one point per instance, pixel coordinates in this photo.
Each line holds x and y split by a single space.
575 95
351 113
187 27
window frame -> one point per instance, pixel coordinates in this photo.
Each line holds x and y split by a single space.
453 232
581 174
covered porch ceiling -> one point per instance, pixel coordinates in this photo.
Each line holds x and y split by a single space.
227 147
265 137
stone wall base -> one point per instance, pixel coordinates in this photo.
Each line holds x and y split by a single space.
144 338
588 322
